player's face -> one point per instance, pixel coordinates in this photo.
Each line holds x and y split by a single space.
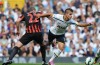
68 14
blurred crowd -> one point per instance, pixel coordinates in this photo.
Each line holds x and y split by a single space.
79 41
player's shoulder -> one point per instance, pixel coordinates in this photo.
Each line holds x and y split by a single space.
24 14
57 15
73 21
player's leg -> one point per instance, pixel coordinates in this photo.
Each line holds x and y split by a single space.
97 56
60 42
39 39
14 52
43 52
23 41
60 49
61 46
57 53
51 37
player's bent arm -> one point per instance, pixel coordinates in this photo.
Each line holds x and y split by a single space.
45 15
18 22
17 25
83 24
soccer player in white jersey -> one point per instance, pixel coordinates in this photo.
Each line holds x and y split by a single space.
58 29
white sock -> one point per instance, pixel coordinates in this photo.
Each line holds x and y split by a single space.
55 54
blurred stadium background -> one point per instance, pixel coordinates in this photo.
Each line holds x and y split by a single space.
80 42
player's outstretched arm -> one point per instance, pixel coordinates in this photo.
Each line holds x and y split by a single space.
84 24
18 23
44 15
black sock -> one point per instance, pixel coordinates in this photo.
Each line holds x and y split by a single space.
14 52
43 52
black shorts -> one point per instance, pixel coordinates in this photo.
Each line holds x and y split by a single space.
27 37
59 38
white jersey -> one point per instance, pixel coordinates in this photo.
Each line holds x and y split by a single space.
60 24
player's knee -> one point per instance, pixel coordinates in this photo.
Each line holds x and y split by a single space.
16 47
61 45
19 44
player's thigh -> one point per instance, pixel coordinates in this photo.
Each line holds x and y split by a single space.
51 37
26 38
38 38
60 38
19 44
61 42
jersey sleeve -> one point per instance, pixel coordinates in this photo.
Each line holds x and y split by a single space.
56 16
72 21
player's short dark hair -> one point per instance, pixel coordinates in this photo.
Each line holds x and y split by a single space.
69 9
31 8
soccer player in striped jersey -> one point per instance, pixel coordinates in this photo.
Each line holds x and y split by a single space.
33 32
58 29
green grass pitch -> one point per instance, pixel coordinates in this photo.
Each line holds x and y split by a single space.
55 64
